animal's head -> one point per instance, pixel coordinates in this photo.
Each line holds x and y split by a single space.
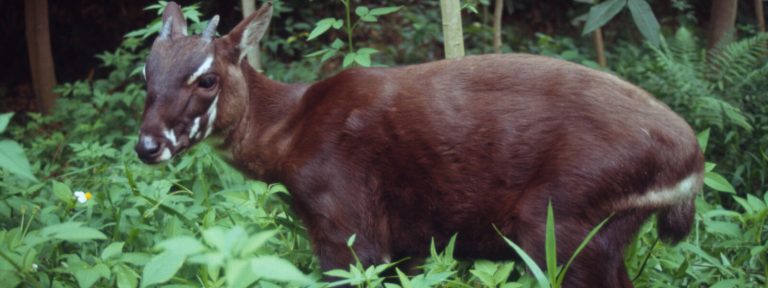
192 80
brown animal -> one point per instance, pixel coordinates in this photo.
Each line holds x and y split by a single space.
400 155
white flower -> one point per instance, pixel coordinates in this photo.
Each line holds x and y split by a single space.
83 197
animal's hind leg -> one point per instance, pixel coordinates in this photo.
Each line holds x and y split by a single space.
601 263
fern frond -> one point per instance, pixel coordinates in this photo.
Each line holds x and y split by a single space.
730 63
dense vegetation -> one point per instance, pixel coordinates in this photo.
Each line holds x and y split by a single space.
85 212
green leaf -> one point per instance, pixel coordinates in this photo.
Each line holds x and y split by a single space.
161 268
351 240
5 118
550 244
384 10
645 21
367 51
590 235
537 273
602 13
348 59
114 249
363 59
321 27
257 241
337 24
62 191
71 231
718 182
361 11
703 139
709 166
274 268
183 245
126 277
12 158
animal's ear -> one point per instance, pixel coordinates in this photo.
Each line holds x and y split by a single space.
246 35
174 25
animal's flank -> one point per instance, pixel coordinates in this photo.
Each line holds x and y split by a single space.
400 156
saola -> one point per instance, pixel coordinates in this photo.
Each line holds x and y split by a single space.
399 156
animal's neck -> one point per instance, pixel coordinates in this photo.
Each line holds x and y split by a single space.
254 126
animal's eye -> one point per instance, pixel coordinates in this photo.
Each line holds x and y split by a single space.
207 81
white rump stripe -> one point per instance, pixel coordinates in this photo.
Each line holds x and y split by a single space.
680 192
202 69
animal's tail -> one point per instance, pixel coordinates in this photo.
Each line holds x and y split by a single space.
674 222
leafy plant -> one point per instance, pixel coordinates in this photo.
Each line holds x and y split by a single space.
360 56
641 12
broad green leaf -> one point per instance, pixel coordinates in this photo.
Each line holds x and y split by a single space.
384 10
722 227
62 191
72 231
257 241
348 59
602 13
183 245
238 273
161 268
363 59
126 277
114 249
86 275
718 182
367 51
12 158
274 268
361 11
645 21
321 27
709 166
5 118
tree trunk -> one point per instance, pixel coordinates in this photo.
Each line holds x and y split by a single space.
253 55
721 22
452 30
40 56
497 11
760 15
600 47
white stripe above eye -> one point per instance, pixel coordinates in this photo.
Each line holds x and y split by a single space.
201 70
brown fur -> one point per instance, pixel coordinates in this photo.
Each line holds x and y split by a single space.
399 156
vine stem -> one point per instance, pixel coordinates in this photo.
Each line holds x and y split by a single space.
348 9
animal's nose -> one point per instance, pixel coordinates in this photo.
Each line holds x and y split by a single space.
148 149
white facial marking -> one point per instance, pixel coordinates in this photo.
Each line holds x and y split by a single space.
682 191
211 116
195 126
166 155
171 136
202 69
146 141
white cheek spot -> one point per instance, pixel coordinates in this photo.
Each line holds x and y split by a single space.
195 126
682 191
211 116
166 155
201 70
171 136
